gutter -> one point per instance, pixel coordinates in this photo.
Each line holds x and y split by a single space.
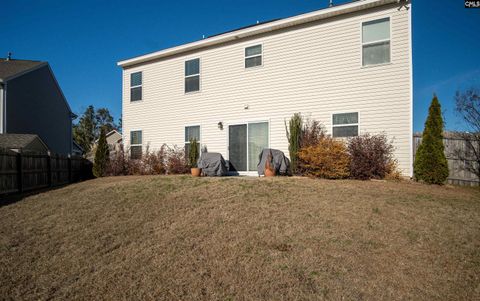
264 28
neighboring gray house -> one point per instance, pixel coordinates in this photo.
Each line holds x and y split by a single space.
23 143
31 102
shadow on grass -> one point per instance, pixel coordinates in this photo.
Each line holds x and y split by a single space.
12 198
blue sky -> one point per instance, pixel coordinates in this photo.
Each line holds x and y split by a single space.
83 40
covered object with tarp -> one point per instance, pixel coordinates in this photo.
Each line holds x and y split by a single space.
212 164
280 161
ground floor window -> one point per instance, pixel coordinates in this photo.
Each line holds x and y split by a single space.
345 125
136 144
191 132
245 143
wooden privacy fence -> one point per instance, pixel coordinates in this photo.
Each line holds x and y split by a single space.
455 148
27 172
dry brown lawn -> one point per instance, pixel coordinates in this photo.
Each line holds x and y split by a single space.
183 238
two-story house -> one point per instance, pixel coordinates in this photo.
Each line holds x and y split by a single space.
31 102
348 66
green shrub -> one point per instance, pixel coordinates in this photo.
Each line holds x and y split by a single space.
193 153
327 159
430 162
102 154
294 132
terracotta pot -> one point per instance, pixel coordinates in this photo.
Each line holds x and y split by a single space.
196 172
269 172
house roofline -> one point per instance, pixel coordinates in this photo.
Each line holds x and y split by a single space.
109 133
43 64
6 79
259 29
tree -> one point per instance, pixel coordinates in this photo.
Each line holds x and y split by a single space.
294 133
102 155
104 120
468 107
120 124
84 130
88 128
193 153
430 162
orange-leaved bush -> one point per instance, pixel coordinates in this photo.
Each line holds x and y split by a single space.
327 159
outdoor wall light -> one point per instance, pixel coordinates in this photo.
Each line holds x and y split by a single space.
220 125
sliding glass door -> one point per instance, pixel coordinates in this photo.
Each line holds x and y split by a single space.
257 141
237 147
245 143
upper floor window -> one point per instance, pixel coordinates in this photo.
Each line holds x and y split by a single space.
192 75
136 86
253 56
376 42
136 144
345 125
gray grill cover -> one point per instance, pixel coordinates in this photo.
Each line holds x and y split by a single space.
212 164
280 162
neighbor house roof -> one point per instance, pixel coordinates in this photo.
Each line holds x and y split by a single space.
13 68
260 28
22 142
112 132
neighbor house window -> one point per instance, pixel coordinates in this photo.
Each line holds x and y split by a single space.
376 42
192 75
136 86
190 133
253 56
345 125
136 144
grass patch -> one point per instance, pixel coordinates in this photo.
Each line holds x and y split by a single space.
184 238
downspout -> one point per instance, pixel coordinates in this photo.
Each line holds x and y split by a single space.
3 107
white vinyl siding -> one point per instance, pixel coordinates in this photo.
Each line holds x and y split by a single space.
376 42
315 69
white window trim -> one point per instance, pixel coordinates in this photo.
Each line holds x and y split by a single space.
137 86
200 133
375 42
245 57
130 139
192 75
344 125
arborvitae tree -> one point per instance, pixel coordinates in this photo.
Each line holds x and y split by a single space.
294 134
430 162
193 153
102 155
